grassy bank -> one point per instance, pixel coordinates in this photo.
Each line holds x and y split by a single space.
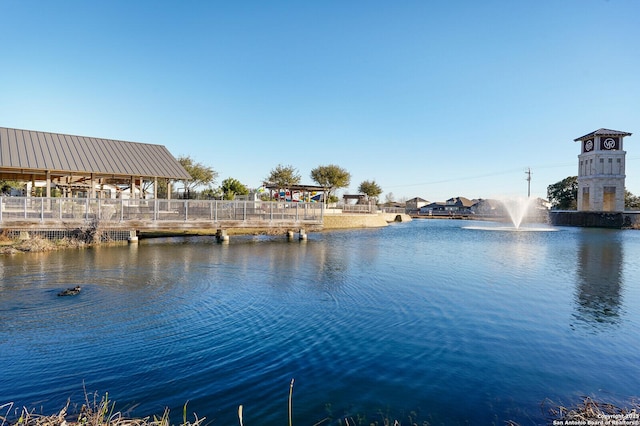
37 245
94 412
100 411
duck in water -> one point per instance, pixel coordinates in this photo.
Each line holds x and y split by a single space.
70 291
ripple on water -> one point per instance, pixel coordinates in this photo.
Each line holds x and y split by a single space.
361 319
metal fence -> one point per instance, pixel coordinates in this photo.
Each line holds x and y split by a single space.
358 208
396 210
118 210
105 235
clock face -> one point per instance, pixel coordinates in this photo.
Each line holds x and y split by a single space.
588 145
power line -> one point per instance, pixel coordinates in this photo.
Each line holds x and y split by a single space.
457 179
461 178
528 172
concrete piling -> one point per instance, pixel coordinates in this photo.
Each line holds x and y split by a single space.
133 237
222 236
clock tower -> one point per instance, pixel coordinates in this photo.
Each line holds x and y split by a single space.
601 171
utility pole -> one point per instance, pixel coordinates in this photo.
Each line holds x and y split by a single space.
528 173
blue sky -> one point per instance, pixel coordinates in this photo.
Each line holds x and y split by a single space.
434 99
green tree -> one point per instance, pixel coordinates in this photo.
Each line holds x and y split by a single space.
211 194
631 202
201 175
162 189
563 195
331 177
232 187
283 177
370 188
7 185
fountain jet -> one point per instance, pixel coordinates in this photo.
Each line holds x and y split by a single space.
517 209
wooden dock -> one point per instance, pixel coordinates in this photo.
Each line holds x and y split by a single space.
158 217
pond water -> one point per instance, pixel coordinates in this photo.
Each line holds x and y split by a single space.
428 318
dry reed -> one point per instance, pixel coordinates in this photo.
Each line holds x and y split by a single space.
102 412
98 412
591 410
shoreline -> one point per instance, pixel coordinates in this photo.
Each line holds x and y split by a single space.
102 412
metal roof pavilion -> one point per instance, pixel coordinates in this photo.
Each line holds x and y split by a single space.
28 155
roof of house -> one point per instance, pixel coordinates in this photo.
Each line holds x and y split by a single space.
24 152
434 204
602 132
418 200
489 201
460 201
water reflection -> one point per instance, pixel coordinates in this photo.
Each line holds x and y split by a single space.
599 278
362 319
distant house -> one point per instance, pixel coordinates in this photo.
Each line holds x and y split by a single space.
537 209
488 207
413 205
459 204
495 207
432 207
456 205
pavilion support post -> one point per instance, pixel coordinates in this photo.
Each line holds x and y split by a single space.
92 186
132 188
168 189
155 188
48 190
48 194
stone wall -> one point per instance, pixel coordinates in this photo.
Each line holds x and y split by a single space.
616 220
346 221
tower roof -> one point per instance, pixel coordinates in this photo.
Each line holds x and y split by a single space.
602 132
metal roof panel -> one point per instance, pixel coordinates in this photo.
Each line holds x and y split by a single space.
25 149
602 132
38 150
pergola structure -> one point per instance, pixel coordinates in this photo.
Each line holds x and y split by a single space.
80 162
297 192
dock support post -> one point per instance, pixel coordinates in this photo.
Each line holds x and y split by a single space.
289 235
133 237
222 236
303 234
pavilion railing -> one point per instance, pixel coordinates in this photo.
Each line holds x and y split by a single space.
13 209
